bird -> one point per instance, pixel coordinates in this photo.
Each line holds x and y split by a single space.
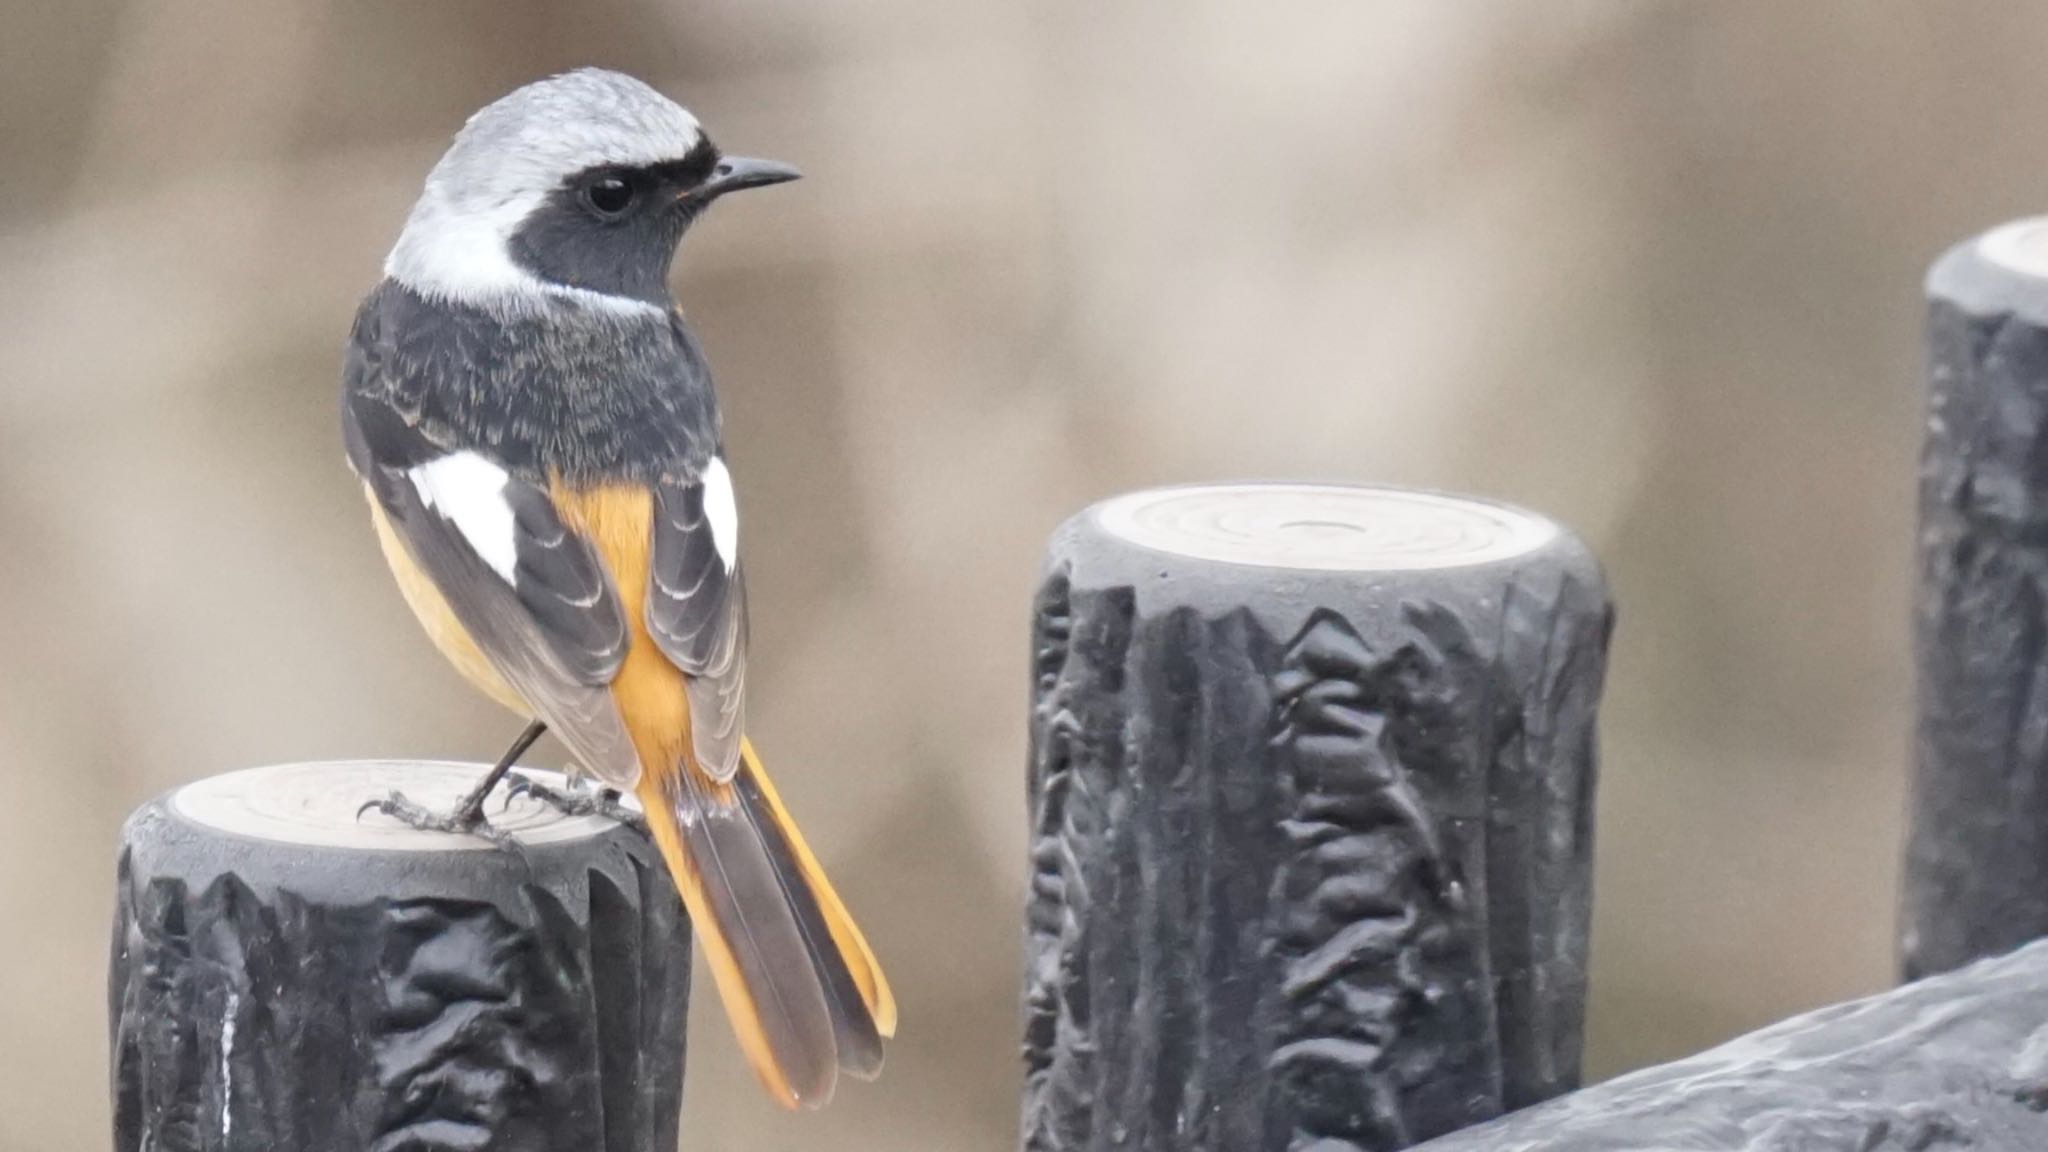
536 431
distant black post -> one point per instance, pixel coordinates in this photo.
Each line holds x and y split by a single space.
1957 1061
286 978
1311 780
1976 878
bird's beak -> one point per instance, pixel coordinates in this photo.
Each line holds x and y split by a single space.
736 172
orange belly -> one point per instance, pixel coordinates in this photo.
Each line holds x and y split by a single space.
434 615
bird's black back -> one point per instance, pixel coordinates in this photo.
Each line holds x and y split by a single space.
562 389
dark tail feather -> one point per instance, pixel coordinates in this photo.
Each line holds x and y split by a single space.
799 982
751 937
833 954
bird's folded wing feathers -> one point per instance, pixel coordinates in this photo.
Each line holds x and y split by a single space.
697 608
530 592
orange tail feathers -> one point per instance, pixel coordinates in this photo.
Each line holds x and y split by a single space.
854 952
799 983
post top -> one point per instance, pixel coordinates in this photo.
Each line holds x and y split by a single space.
315 804
1327 527
2020 246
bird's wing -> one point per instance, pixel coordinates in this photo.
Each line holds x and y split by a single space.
531 593
697 607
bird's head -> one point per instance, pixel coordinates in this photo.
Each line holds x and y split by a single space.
577 186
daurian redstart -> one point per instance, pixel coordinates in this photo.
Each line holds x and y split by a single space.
536 430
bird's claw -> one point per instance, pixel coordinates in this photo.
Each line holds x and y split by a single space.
412 815
582 801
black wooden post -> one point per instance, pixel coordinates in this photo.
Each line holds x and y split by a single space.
1976 877
1311 778
285 977
1955 1061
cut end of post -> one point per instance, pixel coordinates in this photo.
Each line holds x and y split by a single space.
2021 246
285 976
316 804
1326 527
1320 721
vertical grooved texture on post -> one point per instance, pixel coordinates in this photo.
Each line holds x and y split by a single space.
1311 850
1976 876
270 995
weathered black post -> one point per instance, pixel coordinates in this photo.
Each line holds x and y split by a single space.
1956 1061
1311 778
285 977
1976 877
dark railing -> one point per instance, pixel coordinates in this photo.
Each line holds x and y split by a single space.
1311 845
1311 781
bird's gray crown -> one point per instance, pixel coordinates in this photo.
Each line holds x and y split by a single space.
506 161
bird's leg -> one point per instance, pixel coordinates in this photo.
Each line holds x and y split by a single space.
468 815
472 807
582 800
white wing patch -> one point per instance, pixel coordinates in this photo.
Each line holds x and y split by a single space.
470 491
720 510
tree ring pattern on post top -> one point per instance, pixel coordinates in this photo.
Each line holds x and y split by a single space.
274 994
1324 527
1310 791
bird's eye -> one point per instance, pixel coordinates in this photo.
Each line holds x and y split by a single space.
608 195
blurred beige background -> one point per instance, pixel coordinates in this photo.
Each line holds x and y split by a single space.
1650 267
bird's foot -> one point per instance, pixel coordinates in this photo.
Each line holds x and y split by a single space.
581 800
463 821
